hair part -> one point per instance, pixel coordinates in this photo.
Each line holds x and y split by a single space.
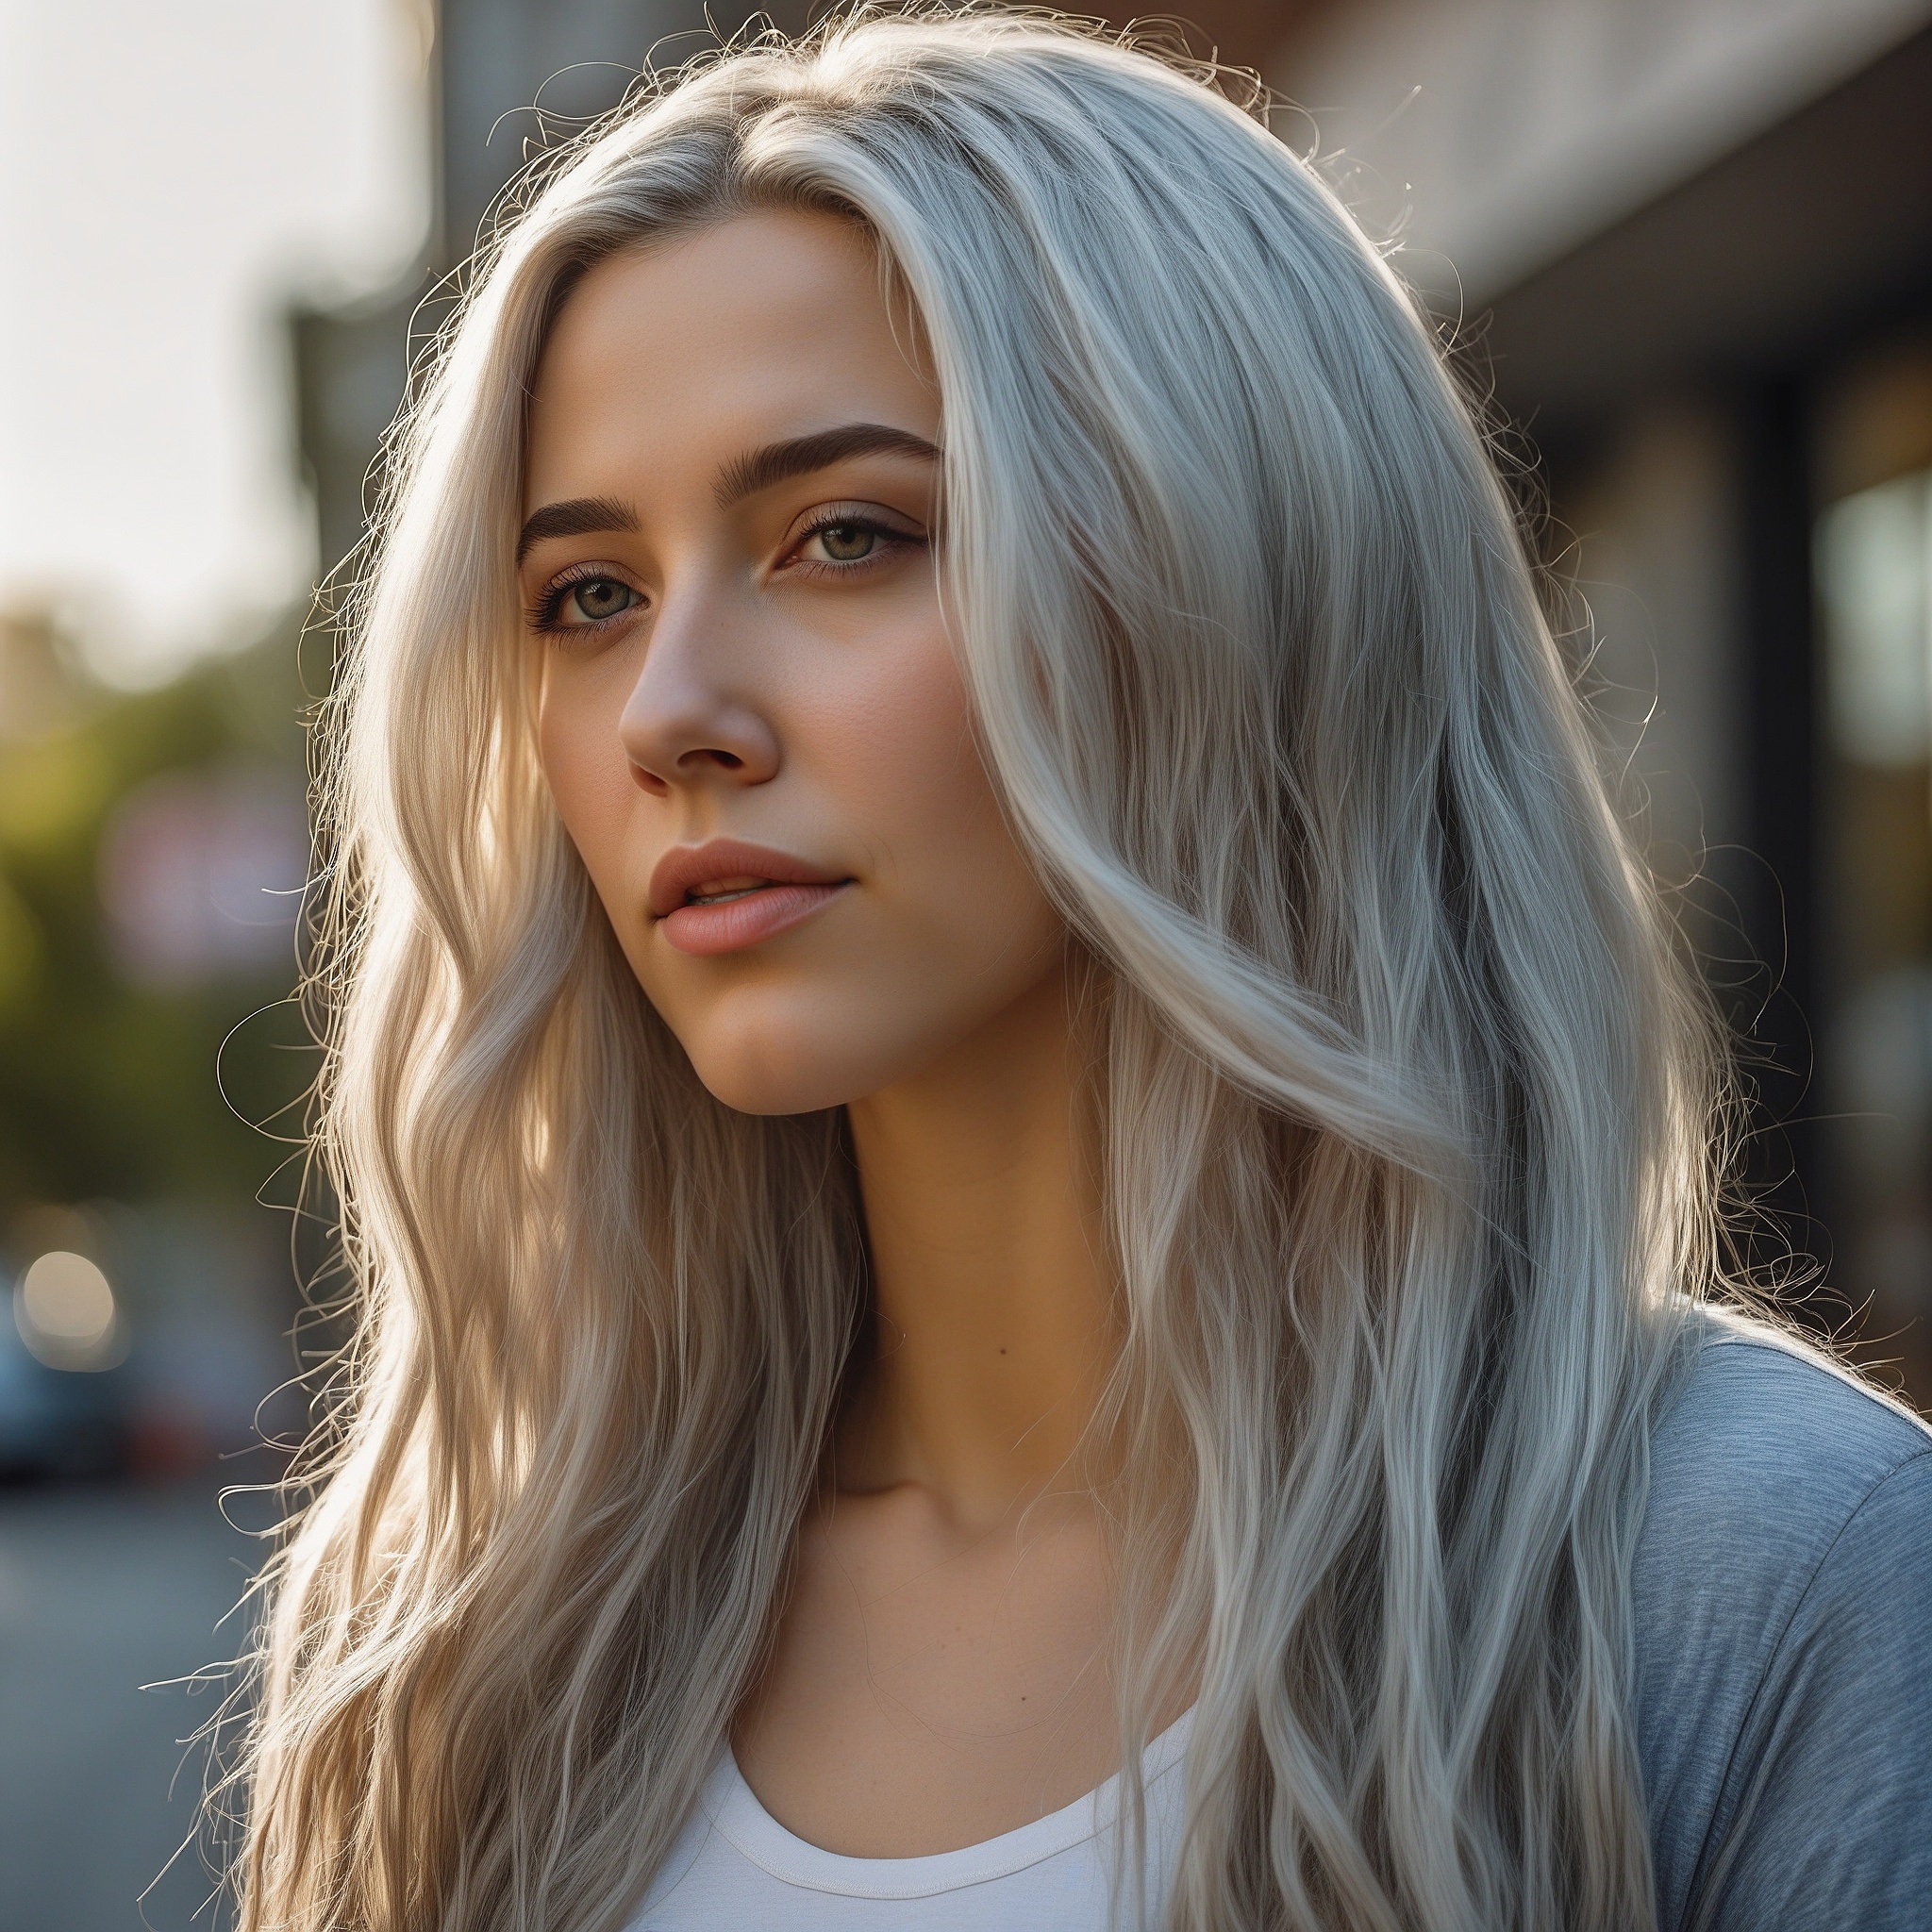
1409 1104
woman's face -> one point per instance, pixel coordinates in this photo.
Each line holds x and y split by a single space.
751 718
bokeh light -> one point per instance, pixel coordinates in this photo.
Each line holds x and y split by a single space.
64 1308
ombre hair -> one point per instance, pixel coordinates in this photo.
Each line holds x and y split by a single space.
1409 1106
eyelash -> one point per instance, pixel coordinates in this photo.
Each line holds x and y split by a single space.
841 517
544 615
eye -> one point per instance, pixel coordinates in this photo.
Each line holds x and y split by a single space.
583 599
593 599
846 542
848 539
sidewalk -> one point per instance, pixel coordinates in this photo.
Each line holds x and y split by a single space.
102 1592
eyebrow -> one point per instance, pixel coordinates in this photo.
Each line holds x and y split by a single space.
745 475
581 516
759 469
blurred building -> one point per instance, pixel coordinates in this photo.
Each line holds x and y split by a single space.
510 78
1688 244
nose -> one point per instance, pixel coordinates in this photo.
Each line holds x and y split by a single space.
693 717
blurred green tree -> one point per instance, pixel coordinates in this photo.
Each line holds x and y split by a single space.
120 1080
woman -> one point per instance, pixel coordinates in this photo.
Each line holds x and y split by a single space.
1033 1193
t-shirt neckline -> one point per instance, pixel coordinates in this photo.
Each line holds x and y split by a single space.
735 1810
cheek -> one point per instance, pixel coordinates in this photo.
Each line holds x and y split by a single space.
879 769
962 921
588 774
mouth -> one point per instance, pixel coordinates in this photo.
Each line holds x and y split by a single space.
723 896
716 892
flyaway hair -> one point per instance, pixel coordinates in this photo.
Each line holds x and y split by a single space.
1410 1107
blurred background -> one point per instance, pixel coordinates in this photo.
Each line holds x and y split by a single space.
1684 246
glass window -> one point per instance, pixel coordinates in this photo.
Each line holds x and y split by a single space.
1874 569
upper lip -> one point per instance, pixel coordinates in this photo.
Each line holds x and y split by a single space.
685 866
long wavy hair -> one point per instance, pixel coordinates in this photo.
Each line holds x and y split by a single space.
1410 1107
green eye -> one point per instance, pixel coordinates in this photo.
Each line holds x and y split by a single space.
597 598
848 542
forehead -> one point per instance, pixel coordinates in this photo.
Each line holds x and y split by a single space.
681 356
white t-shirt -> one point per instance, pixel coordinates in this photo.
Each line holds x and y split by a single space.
1782 1598
735 1866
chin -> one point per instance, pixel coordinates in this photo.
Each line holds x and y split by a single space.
780 1063
749 1085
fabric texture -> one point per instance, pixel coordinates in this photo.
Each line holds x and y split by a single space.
1783 1597
1783 1689
736 1866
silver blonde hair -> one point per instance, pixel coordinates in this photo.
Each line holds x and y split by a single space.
1409 1105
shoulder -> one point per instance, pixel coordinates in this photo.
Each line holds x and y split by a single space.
1760 1415
1771 1470
1782 1602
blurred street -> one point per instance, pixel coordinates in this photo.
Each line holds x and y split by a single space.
102 1592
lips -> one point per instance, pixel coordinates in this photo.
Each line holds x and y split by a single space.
724 896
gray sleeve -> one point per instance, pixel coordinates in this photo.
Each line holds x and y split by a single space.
1825 1820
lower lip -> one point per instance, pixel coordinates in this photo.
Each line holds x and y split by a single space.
702 930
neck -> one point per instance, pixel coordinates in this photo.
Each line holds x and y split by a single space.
991 1286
